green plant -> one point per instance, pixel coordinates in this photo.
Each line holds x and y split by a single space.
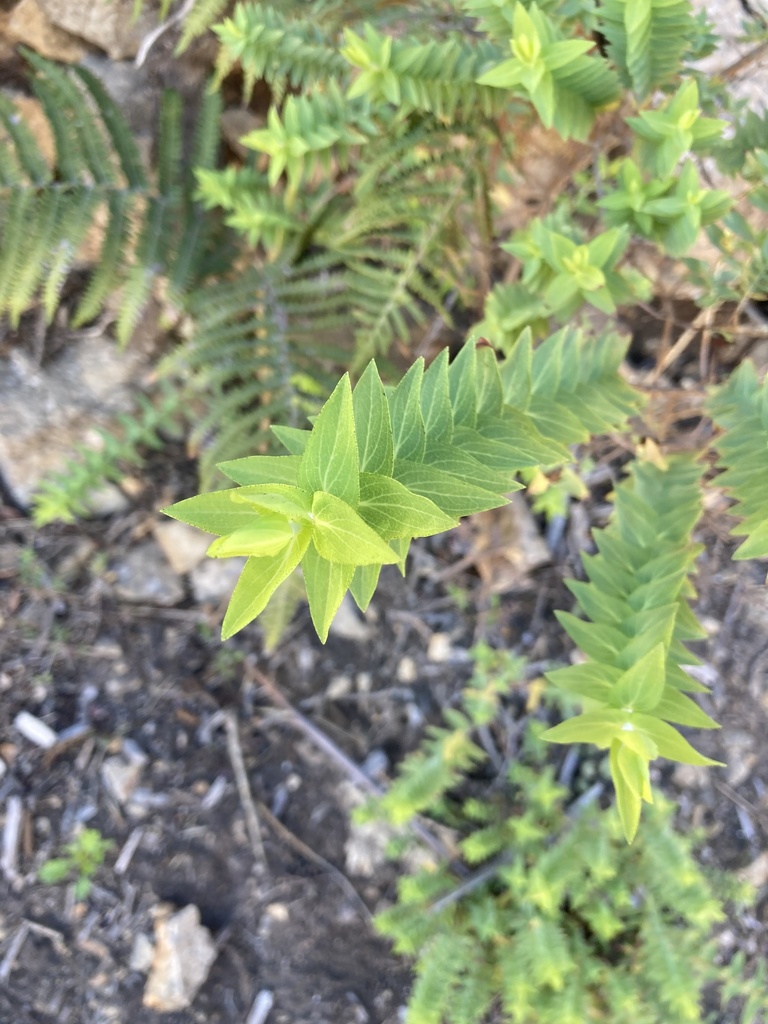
83 857
545 914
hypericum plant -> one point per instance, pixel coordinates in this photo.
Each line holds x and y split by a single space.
545 915
83 857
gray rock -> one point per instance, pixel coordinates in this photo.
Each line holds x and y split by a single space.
46 412
144 577
183 546
215 578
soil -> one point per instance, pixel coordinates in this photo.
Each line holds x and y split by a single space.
145 685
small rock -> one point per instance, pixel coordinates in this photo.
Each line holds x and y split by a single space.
29 24
406 670
756 873
439 648
35 730
364 682
143 576
120 777
108 500
142 954
347 624
339 686
183 546
740 755
184 954
110 26
215 578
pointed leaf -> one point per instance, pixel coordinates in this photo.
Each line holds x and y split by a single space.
372 423
267 535
329 462
326 583
364 583
394 511
341 535
641 687
259 580
263 469
219 512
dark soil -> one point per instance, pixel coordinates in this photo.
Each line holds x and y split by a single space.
104 673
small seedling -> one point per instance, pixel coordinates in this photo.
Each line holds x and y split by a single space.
82 858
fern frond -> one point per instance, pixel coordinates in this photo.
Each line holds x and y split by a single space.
256 355
646 39
740 408
96 179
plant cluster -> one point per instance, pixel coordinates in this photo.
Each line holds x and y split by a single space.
365 212
82 857
545 913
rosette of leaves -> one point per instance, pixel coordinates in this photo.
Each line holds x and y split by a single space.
376 470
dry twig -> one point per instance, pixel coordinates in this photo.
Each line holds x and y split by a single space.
235 751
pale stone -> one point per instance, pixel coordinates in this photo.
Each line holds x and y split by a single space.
142 954
184 954
347 624
110 26
183 546
29 24
46 412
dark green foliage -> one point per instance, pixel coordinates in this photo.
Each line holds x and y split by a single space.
151 228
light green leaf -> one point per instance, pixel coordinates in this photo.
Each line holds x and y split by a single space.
267 535
55 870
258 581
394 511
405 408
326 583
372 423
628 797
329 462
292 438
436 400
341 535
669 741
219 512
284 499
262 469
461 382
599 727
450 493
641 687
364 583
